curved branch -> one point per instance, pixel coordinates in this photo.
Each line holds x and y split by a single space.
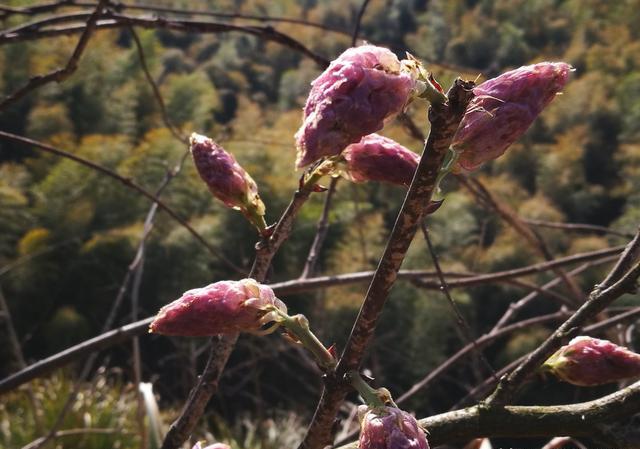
128 182
114 20
586 419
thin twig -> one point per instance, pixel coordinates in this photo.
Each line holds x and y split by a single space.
463 326
534 239
515 307
601 297
128 182
321 233
177 133
59 75
356 27
578 227
124 333
115 20
14 343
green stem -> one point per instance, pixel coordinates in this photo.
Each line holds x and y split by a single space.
370 395
298 325
450 161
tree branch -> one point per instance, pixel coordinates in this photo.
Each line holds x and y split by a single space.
601 297
222 346
445 120
321 233
61 74
128 182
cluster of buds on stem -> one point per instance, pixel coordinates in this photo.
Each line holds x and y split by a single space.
503 109
361 90
587 361
227 180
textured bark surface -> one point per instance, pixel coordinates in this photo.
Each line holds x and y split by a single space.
444 120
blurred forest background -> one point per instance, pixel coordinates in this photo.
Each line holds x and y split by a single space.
68 235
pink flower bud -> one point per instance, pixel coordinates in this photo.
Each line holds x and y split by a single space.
198 445
222 308
226 179
504 108
589 361
352 98
377 158
390 428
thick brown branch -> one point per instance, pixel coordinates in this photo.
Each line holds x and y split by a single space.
445 120
591 419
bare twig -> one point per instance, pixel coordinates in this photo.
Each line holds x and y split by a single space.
128 182
177 133
578 227
14 344
114 20
612 288
602 326
76 432
460 320
59 75
356 28
515 307
124 333
321 233
530 235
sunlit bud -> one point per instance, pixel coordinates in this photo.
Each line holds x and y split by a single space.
362 89
199 445
226 179
587 361
503 109
390 428
221 308
380 159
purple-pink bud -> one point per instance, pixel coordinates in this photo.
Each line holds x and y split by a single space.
353 97
224 307
378 158
587 361
199 445
390 428
226 179
503 109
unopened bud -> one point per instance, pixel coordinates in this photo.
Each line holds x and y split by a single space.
587 361
380 159
226 179
199 445
224 307
362 89
503 109
390 428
